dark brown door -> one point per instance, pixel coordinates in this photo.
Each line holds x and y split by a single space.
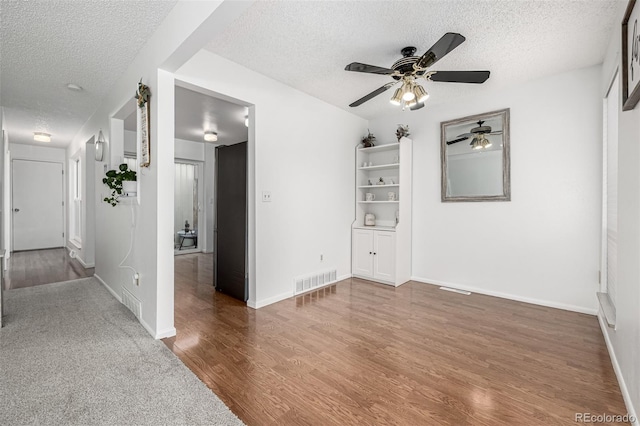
231 221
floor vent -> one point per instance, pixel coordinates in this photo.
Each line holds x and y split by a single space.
130 301
455 290
306 283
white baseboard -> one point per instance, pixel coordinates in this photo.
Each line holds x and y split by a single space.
616 368
566 307
269 301
257 304
169 332
85 265
113 293
343 277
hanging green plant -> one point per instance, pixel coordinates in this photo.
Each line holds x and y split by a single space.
114 180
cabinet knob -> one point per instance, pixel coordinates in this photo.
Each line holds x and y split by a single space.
370 252
375 253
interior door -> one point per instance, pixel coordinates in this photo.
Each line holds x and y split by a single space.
37 202
230 238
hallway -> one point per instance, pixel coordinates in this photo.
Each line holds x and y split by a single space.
37 267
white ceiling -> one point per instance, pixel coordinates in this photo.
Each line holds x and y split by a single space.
47 44
196 112
307 44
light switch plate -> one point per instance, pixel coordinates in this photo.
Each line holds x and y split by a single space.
266 196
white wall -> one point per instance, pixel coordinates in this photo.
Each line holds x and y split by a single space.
624 340
304 154
187 27
543 246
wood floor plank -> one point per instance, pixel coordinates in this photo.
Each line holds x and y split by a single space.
364 353
38 267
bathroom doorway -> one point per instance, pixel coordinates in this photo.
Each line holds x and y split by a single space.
188 207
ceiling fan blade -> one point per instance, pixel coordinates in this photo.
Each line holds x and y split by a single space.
371 69
460 76
459 139
372 94
416 106
446 44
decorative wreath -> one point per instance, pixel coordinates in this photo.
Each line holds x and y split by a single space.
142 95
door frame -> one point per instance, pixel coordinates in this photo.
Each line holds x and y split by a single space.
63 205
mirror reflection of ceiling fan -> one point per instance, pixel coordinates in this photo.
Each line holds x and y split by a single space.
410 68
479 134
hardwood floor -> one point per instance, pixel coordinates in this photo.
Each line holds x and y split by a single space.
37 267
364 353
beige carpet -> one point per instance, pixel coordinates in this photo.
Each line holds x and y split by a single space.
70 354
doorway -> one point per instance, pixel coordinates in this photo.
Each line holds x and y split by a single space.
202 198
188 207
38 205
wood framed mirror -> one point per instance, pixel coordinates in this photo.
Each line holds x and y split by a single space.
474 158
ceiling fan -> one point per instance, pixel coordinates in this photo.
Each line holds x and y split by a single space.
479 134
410 68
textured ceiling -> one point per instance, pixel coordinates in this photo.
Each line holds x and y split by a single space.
196 112
47 44
307 44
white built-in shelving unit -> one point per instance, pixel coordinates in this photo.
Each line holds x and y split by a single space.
382 252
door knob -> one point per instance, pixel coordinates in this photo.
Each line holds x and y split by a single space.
16 210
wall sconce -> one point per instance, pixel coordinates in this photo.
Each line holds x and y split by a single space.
100 143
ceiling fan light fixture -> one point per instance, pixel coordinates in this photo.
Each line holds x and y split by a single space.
407 93
396 99
420 94
41 137
210 136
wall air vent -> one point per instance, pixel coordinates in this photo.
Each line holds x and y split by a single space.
130 301
314 281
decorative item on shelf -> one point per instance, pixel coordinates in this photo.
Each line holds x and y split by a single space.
100 144
381 181
370 164
392 182
186 226
403 131
116 180
368 141
369 219
369 196
392 196
364 164
142 95
369 182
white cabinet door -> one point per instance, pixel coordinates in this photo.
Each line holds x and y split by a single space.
362 253
384 255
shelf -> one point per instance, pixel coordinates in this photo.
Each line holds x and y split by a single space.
379 202
376 228
391 185
381 167
380 148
